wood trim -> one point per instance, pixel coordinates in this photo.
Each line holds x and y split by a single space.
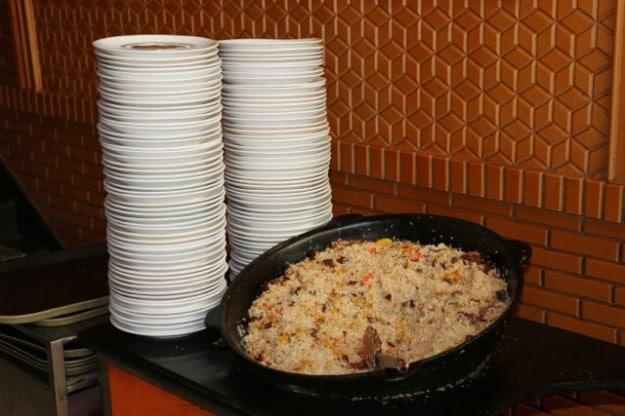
25 45
616 158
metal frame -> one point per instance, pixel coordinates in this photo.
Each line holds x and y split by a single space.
54 339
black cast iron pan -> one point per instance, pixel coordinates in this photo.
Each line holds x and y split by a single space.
508 256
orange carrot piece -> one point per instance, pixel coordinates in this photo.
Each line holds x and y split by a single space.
368 276
416 256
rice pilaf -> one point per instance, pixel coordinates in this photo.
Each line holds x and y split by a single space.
419 299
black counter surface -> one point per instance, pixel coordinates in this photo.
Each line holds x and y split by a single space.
531 360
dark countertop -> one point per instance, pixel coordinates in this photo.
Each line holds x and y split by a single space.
531 360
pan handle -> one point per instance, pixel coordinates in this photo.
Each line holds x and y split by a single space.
520 250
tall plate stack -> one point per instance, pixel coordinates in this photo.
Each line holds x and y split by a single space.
276 141
162 156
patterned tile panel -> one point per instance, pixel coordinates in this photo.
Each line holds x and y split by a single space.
515 82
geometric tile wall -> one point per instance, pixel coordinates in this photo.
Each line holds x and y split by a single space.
514 82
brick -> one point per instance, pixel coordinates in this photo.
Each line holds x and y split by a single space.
524 409
551 219
35 144
548 300
383 203
610 315
93 236
533 189
348 164
556 260
513 184
75 194
482 205
376 162
458 176
619 296
573 196
91 184
554 191
92 170
74 167
440 173
604 229
589 246
83 155
607 401
494 182
579 286
605 270
407 166
338 178
533 275
335 156
91 142
530 312
377 186
361 159
513 229
476 175
353 198
424 170
563 406
455 213
424 194
392 165
613 206
340 209
72 138
593 200
579 326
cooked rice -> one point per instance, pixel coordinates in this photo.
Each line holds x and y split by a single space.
421 300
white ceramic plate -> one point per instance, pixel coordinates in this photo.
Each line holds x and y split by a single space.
154 46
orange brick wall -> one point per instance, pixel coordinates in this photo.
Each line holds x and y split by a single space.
57 161
423 118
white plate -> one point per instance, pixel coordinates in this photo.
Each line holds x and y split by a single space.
141 62
161 101
107 130
135 64
257 44
154 45
160 276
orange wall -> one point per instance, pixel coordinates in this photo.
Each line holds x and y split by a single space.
496 113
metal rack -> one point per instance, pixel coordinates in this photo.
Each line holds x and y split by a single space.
55 339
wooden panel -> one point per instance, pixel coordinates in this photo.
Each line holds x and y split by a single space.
616 163
25 44
129 394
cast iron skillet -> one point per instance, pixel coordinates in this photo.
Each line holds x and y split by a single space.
444 369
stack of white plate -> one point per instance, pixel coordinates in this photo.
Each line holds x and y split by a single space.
277 143
162 156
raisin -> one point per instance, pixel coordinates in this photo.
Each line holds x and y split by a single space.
328 262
